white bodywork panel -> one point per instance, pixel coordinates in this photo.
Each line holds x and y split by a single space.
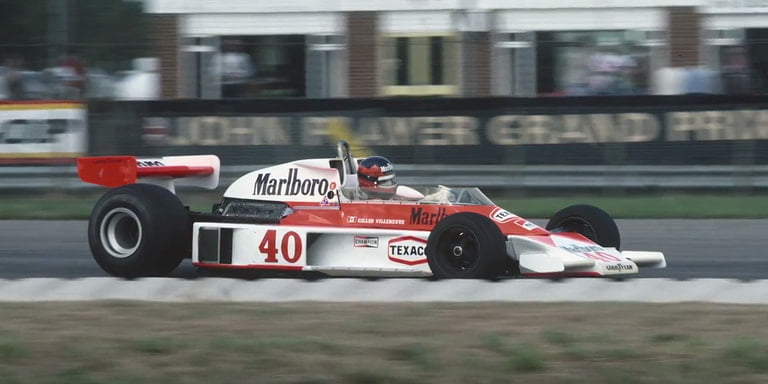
571 256
379 252
375 252
304 180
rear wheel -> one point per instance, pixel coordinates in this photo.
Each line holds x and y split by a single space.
589 221
139 230
466 245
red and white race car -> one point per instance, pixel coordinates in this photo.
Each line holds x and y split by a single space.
302 216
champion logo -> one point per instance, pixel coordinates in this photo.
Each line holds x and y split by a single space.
366 242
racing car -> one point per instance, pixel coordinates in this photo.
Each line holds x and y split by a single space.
304 216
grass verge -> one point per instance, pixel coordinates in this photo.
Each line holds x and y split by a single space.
130 342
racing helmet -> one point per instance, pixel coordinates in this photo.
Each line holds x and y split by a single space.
376 177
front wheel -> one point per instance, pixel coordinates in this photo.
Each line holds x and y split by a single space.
588 221
466 246
139 230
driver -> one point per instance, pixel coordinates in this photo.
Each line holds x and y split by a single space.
376 178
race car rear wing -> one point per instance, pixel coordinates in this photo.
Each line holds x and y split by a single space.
114 171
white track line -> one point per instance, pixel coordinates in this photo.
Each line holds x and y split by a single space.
385 290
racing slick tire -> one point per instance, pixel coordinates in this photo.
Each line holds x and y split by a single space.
589 221
466 246
139 230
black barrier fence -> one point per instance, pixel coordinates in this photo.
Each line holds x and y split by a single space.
632 130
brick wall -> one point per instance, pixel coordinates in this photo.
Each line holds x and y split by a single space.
362 48
683 26
165 38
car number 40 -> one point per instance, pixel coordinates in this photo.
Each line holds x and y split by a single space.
290 246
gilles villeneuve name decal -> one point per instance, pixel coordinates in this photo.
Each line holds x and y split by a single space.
292 185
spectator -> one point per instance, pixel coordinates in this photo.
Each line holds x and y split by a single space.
142 83
14 82
604 65
577 74
73 74
734 70
700 80
668 81
234 70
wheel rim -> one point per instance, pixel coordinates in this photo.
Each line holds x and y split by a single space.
578 225
120 232
458 248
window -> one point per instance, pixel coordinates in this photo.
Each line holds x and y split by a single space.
592 63
259 66
420 65
514 64
755 58
326 66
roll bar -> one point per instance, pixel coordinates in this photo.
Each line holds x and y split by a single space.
345 154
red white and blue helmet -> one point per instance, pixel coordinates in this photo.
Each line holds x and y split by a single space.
376 176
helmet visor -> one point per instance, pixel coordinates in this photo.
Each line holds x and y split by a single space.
386 181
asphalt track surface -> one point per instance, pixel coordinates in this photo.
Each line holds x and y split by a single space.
727 249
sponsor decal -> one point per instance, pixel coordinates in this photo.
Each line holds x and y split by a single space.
441 129
292 185
155 130
327 202
419 216
39 132
575 248
149 163
366 242
501 215
589 251
525 224
408 250
389 221
371 220
619 267
33 131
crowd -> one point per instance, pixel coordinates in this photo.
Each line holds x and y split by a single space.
626 70
583 71
72 79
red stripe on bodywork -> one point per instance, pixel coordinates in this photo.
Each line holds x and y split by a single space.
173 171
409 263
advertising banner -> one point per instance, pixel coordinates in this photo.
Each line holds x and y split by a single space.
642 130
42 132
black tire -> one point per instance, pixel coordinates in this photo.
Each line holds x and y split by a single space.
589 221
466 246
139 230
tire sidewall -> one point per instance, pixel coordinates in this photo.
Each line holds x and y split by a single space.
492 258
159 216
606 231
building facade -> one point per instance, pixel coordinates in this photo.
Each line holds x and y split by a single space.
367 48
